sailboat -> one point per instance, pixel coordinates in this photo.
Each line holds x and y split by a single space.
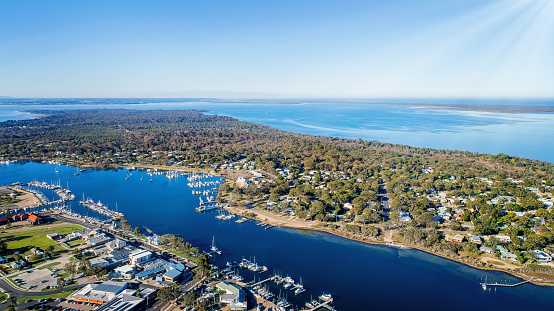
214 248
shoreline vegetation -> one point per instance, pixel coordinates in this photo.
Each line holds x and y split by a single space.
447 203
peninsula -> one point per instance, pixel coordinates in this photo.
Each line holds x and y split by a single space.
488 211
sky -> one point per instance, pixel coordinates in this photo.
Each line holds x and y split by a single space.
277 48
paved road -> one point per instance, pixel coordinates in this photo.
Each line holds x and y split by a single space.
383 194
130 240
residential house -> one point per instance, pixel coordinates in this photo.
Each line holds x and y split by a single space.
509 256
487 250
458 238
542 257
504 239
475 239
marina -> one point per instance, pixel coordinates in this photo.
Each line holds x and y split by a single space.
100 208
299 254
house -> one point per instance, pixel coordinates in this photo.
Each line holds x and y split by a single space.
3 220
242 182
504 239
18 264
475 239
154 240
468 225
140 256
542 257
348 205
234 296
487 250
404 216
536 230
458 238
3 259
509 256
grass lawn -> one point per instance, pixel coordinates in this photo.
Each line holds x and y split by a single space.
53 296
50 265
75 242
3 297
25 240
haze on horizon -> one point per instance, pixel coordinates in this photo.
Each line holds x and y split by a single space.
318 48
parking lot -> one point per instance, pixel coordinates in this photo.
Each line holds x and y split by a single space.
55 304
37 280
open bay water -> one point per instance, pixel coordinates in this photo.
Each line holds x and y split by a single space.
392 121
358 275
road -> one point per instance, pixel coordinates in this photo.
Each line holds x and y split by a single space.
383 195
132 241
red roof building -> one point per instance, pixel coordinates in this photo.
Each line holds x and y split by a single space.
34 219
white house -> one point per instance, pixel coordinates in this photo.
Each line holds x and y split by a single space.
542 257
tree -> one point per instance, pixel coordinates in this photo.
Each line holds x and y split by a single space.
49 251
13 304
60 282
84 266
190 298
34 258
169 293
137 231
70 268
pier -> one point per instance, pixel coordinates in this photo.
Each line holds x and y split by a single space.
485 285
326 305
211 253
261 282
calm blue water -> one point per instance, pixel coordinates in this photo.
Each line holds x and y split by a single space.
522 134
360 276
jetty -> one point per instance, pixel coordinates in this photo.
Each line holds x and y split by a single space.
326 305
252 284
485 285
242 220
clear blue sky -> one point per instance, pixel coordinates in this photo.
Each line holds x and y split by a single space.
279 48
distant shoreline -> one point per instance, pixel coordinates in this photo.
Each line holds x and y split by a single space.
484 105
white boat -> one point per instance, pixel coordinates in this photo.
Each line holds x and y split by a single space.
326 297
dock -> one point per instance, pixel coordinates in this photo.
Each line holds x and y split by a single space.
261 282
211 253
326 305
485 285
